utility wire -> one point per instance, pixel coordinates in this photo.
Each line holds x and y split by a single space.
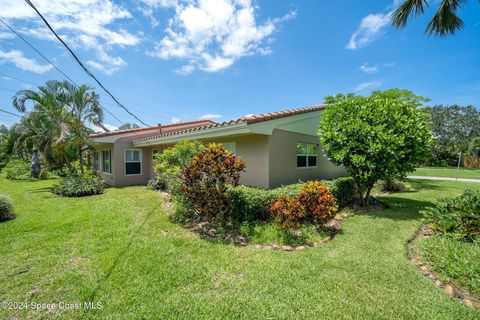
11 113
52 64
81 64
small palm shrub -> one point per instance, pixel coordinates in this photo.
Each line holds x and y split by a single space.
288 213
17 169
456 217
6 208
320 205
79 186
206 180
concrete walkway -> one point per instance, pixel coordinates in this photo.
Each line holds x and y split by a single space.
443 179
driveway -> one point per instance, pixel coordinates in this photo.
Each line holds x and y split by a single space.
443 179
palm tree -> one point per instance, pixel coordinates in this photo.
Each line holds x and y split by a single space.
84 107
47 123
444 23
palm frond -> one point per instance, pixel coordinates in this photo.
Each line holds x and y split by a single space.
446 21
401 15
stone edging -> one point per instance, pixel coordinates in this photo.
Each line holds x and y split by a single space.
462 294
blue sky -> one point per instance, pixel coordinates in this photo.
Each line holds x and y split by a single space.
179 60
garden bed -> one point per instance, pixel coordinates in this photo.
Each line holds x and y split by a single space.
446 269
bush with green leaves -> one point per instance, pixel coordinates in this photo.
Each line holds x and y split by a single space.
393 185
374 138
6 208
79 186
456 217
206 180
17 169
171 162
344 190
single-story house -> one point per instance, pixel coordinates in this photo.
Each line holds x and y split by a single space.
278 147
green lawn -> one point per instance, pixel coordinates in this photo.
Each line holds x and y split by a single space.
120 249
448 172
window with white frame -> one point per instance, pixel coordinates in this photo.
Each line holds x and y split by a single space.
95 161
307 155
107 161
230 146
133 162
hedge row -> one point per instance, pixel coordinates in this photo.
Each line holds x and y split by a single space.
251 203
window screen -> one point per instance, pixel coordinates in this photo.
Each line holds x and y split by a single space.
133 162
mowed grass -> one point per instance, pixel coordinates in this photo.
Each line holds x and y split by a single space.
448 172
120 249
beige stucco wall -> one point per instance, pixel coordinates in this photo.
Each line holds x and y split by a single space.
254 150
283 160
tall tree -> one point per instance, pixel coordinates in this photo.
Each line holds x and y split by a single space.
84 107
445 21
47 123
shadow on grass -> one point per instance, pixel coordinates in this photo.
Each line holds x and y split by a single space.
425 184
400 209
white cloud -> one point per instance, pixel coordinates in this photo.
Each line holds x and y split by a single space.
375 68
213 34
371 27
210 116
369 69
87 24
17 58
175 120
106 125
368 85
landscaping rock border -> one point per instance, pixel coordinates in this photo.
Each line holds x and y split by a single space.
463 294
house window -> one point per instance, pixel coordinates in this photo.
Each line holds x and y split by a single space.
306 155
230 146
95 160
133 162
107 161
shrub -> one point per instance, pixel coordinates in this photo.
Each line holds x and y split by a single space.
393 185
6 208
320 205
287 212
375 138
456 217
17 169
206 180
154 185
171 162
344 190
251 203
79 187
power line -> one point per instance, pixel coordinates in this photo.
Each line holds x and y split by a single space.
81 64
52 64
11 113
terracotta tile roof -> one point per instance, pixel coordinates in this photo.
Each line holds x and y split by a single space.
250 119
160 129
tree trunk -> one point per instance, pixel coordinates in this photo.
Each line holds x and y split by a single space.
80 160
367 197
35 169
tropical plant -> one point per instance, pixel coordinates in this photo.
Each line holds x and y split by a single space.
206 180
287 212
374 138
319 203
170 163
457 217
17 169
56 126
445 21
79 186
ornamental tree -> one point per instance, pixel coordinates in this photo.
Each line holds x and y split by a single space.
374 138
